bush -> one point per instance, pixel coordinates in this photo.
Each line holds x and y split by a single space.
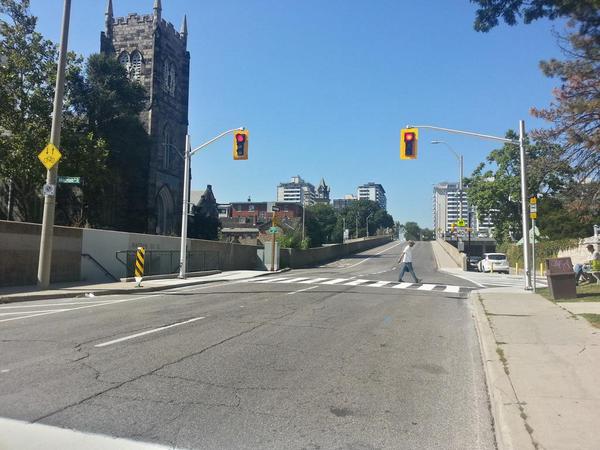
543 250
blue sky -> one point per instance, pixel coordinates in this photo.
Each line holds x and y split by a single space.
325 86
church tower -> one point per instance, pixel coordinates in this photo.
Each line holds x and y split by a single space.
155 55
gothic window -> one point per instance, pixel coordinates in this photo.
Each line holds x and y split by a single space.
169 77
168 147
137 64
125 61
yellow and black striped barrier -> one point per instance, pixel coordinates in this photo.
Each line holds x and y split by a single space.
139 264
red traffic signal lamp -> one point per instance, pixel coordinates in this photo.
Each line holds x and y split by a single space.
240 145
409 138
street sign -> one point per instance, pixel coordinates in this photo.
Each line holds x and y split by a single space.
273 230
460 223
49 190
275 209
69 180
533 200
49 156
533 211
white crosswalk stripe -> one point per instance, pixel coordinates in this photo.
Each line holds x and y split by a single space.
336 281
364 283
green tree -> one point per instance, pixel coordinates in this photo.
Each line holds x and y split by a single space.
427 234
412 231
104 108
205 223
494 187
320 223
27 75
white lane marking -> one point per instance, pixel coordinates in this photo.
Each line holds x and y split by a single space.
402 285
143 333
314 280
336 281
293 280
39 305
271 280
427 287
455 289
302 290
378 253
380 284
356 282
14 313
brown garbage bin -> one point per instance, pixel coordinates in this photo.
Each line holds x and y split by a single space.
561 278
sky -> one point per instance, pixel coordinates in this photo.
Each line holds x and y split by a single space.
324 88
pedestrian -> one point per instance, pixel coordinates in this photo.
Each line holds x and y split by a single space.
406 261
579 268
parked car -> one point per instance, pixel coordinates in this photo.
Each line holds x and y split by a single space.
472 263
496 262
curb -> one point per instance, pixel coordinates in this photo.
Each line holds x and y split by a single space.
509 432
40 296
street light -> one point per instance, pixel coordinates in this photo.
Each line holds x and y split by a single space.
188 153
368 223
460 176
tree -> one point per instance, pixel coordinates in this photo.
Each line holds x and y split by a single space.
320 223
494 187
412 231
109 143
574 113
586 12
27 78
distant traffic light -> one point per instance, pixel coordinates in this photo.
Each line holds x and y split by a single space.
408 143
240 145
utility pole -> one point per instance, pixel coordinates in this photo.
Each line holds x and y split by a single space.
523 162
45 258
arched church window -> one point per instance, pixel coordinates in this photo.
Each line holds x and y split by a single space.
137 65
172 79
125 61
168 146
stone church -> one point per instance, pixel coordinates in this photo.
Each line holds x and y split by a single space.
156 55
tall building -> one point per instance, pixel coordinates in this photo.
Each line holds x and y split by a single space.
155 55
446 210
296 191
372 191
341 203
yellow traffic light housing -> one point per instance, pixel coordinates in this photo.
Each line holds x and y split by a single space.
409 138
240 145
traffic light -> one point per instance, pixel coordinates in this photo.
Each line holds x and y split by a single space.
408 143
240 145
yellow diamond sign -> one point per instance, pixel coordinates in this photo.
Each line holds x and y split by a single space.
49 156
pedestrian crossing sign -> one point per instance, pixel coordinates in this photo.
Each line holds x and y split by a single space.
460 223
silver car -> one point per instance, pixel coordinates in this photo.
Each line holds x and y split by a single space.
493 262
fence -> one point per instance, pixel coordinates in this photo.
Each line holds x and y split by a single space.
159 262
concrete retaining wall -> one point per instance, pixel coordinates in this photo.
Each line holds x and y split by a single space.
294 258
459 258
19 252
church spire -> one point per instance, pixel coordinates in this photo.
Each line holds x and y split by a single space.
184 31
157 10
108 17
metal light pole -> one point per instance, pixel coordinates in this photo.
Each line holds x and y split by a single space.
343 230
460 175
186 189
45 258
303 215
523 162
368 223
356 225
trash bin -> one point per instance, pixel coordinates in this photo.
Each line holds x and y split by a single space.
561 278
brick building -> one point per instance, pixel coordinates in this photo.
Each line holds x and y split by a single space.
156 55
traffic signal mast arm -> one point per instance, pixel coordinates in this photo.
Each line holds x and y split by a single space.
468 133
225 133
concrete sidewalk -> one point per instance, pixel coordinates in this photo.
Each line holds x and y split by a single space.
66 290
542 365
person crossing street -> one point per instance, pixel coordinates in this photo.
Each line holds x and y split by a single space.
406 261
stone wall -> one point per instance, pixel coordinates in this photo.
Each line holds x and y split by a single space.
295 258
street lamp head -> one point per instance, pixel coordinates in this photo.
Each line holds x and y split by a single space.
437 142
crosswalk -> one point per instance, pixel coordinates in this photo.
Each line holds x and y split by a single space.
498 280
363 283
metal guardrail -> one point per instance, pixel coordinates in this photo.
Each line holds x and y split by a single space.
162 262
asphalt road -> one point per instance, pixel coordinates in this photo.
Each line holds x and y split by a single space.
259 364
